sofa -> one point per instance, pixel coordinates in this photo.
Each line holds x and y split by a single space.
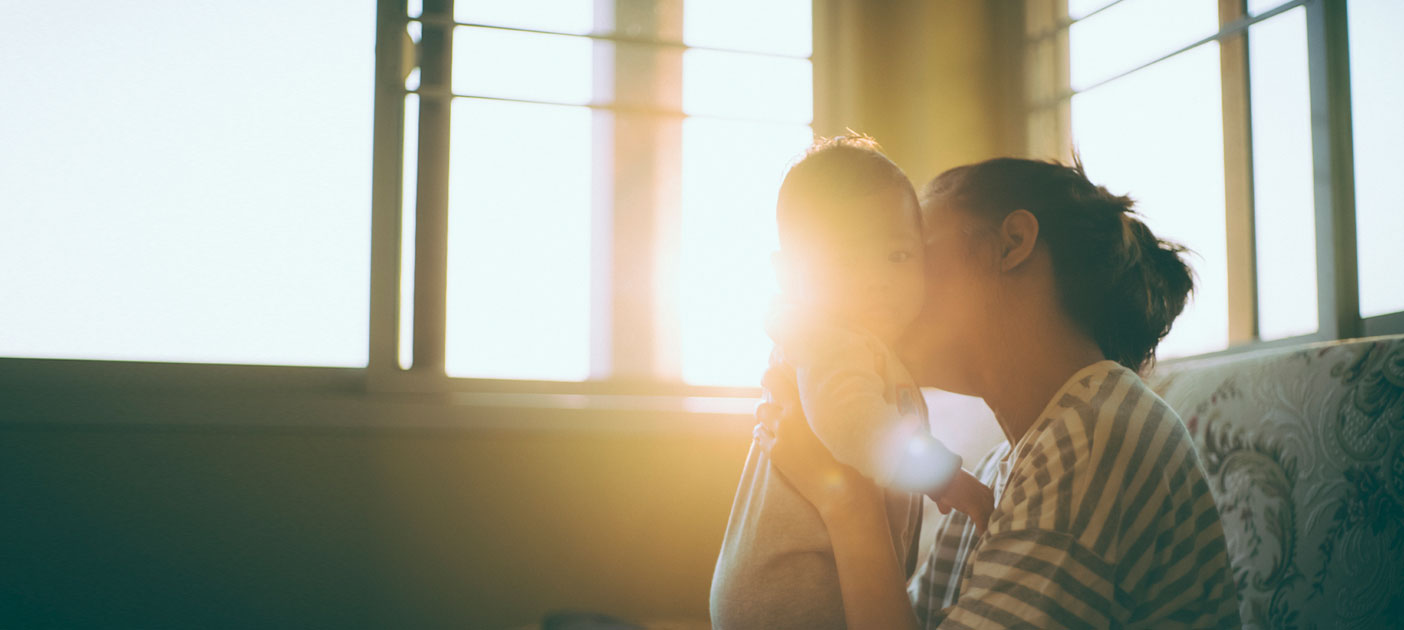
1304 449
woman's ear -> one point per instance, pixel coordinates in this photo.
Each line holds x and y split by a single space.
1017 237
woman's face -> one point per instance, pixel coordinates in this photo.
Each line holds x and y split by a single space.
962 282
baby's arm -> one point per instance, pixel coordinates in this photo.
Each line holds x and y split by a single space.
966 494
842 392
963 492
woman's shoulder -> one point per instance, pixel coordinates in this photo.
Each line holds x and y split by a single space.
1108 448
1108 409
1110 477
1104 431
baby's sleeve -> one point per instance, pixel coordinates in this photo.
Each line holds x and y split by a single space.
842 392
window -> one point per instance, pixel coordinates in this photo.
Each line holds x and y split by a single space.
546 195
1226 120
129 228
603 211
1284 217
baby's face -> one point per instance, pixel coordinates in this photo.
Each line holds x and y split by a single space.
868 271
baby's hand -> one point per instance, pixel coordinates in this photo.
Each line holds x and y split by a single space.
967 494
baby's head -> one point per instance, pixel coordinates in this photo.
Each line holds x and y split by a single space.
850 236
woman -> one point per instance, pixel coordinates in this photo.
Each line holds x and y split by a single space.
1045 297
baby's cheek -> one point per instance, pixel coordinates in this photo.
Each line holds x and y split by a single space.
912 295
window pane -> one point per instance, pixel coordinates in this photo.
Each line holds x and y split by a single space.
1377 97
527 66
731 176
186 196
519 241
558 16
1257 7
1158 136
783 27
1134 32
1284 215
1077 9
747 86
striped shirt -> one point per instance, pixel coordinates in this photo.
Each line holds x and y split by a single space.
1103 518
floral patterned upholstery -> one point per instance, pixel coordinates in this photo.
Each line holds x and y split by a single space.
1305 454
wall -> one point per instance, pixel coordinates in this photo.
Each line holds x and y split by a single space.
939 84
201 526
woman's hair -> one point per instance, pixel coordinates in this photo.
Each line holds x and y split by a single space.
1116 280
831 169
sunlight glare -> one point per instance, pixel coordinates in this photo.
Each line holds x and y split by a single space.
731 175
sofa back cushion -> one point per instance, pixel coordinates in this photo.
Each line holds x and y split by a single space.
1304 450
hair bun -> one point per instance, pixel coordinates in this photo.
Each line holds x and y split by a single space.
1150 291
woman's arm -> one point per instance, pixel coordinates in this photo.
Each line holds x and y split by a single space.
870 577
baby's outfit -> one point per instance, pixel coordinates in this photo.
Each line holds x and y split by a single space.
776 568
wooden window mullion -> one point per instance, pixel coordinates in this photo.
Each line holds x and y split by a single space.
1328 70
386 181
1238 177
431 202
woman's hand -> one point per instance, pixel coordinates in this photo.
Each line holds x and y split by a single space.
782 432
831 486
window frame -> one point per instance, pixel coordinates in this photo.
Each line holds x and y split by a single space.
630 353
1048 125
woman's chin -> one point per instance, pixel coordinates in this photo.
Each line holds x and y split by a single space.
938 367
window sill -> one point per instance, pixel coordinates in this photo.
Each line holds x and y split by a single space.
50 394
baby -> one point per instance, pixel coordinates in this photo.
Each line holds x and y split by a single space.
851 270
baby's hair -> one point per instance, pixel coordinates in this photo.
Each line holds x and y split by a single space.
840 167
852 140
